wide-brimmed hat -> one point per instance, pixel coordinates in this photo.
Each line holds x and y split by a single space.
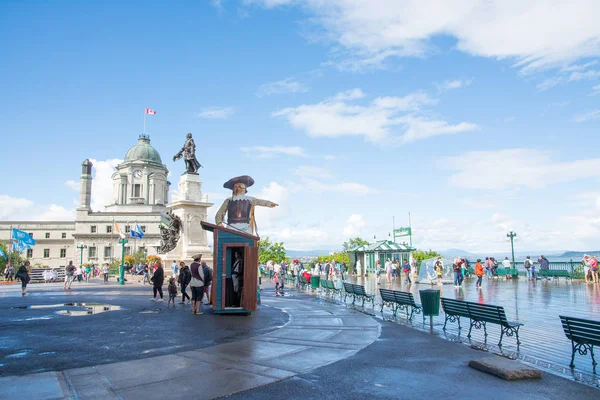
245 179
197 256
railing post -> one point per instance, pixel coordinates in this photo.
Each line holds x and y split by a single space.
571 261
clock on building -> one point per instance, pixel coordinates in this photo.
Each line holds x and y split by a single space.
137 174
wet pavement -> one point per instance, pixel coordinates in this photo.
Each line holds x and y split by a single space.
52 329
536 304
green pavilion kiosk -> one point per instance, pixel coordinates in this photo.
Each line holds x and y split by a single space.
235 273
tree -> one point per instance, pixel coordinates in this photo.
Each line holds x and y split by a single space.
339 257
152 259
421 255
269 251
129 260
354 242
13 256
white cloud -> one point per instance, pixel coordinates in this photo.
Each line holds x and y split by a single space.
302 238
216 112
102 185
595 90
502 169
570 74
287 85
267 218
369 31
273 151
588 116
390 120
348 188
453 84
354 226
20 209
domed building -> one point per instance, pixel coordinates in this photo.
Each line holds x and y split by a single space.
141 179
140 196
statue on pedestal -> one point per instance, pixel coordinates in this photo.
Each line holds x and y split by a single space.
188 152
239 207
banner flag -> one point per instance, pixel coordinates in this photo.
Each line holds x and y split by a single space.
137 232
23 237
2 254
118 230
151 112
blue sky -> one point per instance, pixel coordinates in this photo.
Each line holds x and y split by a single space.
476 119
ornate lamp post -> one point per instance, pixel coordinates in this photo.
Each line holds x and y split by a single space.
81 246
512 235
122 242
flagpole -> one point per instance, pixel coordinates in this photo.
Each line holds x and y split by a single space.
144 121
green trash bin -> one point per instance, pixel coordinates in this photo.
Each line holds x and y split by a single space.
430 300
314 281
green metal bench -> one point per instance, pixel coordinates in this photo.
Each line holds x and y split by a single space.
584 335
303 282
507 271
481 314
388 299
554 273
358 292
331 286
454 309
406 301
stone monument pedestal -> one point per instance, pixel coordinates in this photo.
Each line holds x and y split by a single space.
191 206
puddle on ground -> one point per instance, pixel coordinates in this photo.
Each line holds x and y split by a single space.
88 308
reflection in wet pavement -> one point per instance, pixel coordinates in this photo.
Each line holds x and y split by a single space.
89 308
536 304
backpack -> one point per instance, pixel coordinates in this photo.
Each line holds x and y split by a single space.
207 275
527 264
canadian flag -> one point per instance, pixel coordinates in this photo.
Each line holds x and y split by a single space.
149 111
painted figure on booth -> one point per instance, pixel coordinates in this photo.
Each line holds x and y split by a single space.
240 207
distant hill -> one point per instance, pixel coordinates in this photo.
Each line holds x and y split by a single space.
306 253
578 254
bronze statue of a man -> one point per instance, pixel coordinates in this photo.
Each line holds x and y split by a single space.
239 207
188 152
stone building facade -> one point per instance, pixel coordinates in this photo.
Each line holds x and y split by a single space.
141 191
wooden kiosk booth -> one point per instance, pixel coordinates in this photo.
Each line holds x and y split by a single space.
235 270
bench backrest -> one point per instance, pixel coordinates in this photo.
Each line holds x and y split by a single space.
387 295
404 298
348 288
581 330
486 313
455 307
359 290
37 274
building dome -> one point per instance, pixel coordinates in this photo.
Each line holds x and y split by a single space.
143 151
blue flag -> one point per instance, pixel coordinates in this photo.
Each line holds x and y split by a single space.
137 232
23 237
18 246
2 254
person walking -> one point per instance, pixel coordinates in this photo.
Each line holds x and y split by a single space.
105 271
586 268
207 281
327 268
358 268
544 266
9 272
146 270
158 280
395 269
23 275
88 272
185 277
69 275
172 288
488 268
413 269
406 270
174 269
197 284
528 264
388 271
507 265
79 274
478 273
457 272
594 269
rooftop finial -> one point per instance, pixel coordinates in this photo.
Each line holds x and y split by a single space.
144 136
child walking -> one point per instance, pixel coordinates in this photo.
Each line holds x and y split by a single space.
276 280
172 292
479 273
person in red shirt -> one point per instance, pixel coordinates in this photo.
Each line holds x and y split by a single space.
479 273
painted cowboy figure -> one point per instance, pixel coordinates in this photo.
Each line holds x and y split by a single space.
188 152
239 207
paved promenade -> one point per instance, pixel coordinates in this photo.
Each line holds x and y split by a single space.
536 304
312 347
